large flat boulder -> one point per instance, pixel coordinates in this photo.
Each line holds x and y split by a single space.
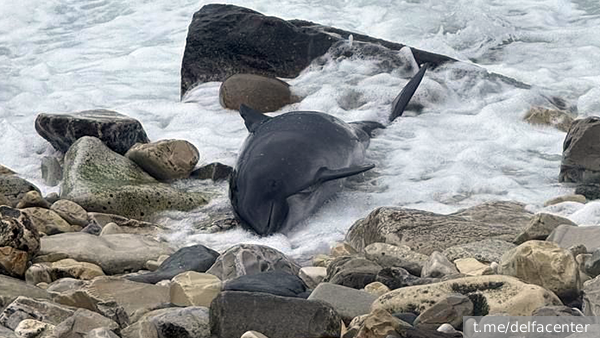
224 40
426 232
115 254
98 179
117 131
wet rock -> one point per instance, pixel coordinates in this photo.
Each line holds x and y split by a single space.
579 152
277 48
70 212
425 232
265 94
232 313
198 258
33 199
312 275
438 266
487 251
540 226
4 171
545 264
212 171
591 191
194 289
387 255
248 259
31 328
100 180
28 308
473 267
51 171
48 222
13 188
52 197
82 322
66 268
13 262
11 288
115 130
556 311
395 278
489 294
449 310
566 198
377 289
558 119
353 272
566 236
113 253
273 282
17 231
190 322
348 302
165 160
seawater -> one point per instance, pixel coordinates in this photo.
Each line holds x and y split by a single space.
466 146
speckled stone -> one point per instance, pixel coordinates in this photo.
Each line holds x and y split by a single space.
165 159
101 180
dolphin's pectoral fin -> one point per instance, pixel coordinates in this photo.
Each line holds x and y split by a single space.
367 126
326 174
252 118
407 93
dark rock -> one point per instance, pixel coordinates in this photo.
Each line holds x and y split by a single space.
92 228
29 308
265 94
13 188
214 171
449 310
192 258
17 231
592 265
273 282
348 302
192 321
566 236
224 40
580 151
52 197
249 259
556 311
395 278
116 131
591 191
353 272
406 317
82 322
233 313
426 232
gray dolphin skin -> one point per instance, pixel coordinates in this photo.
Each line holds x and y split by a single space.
292 163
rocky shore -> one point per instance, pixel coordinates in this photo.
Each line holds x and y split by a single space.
88 263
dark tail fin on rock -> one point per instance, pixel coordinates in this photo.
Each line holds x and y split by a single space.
406 94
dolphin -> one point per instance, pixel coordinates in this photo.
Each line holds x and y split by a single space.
289 165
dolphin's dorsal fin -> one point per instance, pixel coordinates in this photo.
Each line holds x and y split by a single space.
252 117
325 174
407 93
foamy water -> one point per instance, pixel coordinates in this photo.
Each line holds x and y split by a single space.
468 145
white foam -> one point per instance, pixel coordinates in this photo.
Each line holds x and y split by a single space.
467 145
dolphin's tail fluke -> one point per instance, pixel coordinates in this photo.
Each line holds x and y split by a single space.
407 93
